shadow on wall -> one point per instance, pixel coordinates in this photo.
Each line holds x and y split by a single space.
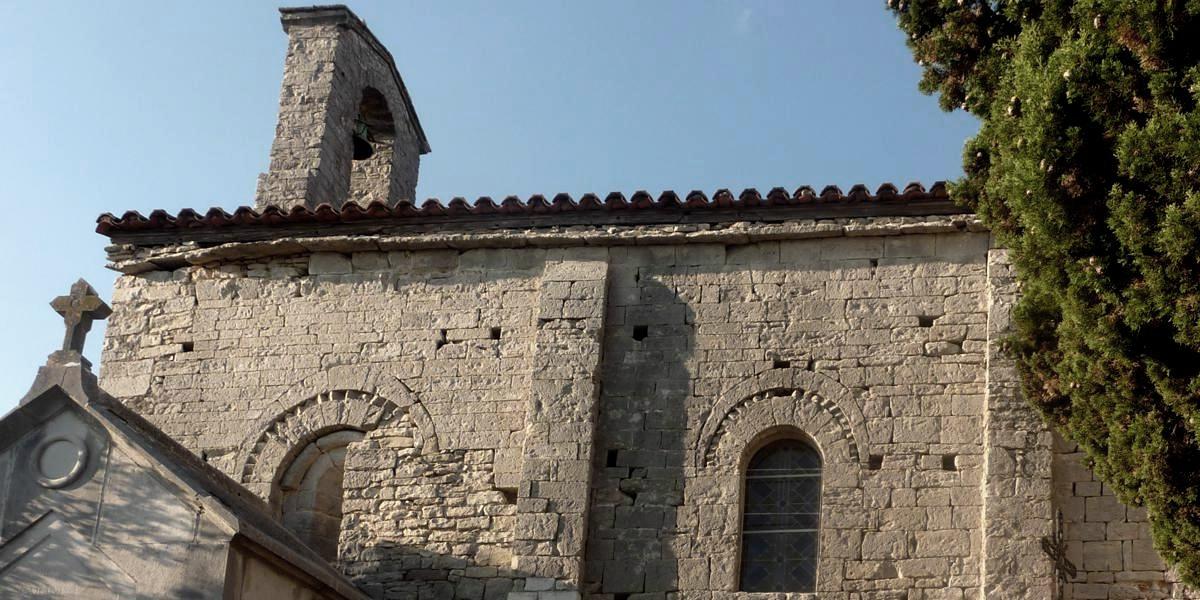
737 325
641 446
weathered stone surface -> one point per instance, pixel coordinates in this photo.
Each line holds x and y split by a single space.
610 394
328 263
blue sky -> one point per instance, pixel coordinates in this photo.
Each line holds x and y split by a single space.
139 105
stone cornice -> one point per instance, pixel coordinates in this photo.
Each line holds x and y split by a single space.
131 259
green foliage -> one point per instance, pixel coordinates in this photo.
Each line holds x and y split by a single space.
1087 167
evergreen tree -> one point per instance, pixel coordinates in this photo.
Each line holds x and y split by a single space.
1087 167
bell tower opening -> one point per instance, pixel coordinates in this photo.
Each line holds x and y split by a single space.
347 129
373 140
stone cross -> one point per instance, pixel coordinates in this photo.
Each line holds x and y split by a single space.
79 309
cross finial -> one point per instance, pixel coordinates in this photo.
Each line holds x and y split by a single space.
79 309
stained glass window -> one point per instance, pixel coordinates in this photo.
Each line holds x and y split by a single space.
781 518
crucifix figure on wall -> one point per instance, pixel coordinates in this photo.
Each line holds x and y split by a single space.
79 309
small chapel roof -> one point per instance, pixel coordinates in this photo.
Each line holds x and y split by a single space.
914 199
66 378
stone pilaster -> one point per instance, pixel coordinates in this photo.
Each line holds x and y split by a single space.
560 422
1018 451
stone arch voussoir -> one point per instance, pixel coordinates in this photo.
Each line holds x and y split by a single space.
815 404
356 397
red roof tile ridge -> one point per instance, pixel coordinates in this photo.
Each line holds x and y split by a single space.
133 221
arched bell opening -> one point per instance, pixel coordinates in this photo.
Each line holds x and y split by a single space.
372 140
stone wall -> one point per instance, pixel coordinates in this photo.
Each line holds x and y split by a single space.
429 353
1107 543
873 346
547 422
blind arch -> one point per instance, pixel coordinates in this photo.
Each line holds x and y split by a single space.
310 492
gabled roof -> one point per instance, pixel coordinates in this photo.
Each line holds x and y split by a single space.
237 508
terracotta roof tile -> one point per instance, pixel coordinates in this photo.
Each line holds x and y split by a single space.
188 219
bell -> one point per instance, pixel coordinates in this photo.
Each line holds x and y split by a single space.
362 141
362 148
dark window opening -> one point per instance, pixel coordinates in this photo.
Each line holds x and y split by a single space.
640 332
875 462
781 364
610 460
781 518
441 340
925 321
189 346
948 462
495 333
510 495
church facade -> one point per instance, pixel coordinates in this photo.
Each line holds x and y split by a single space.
800 393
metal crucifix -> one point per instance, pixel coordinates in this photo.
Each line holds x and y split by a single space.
1056 548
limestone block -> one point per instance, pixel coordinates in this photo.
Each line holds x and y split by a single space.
908 245
851 248
915 429
624 576
923 567
699 254
1089 591
693 574
943 543
575 271
942 348
369 261
538 584
961 430
885 545
559 595
972 247
497 588
1141 556
469 589
328 263
1104 508
752 254
1102 556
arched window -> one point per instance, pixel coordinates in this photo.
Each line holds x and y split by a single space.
310 492
781 518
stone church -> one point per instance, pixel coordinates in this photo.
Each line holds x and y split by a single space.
711 396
